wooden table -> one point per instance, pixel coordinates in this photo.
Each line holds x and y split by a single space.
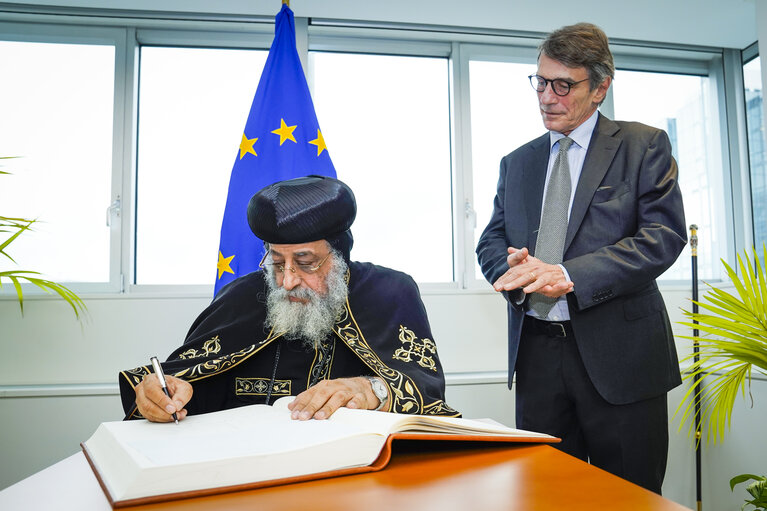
440 476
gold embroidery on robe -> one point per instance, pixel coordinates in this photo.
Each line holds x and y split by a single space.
323 361
414 348
260 387
406 398
439 408
134 376
210 346
226 362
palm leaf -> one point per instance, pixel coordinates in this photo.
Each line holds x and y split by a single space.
20 227
17 226
732 341
74 301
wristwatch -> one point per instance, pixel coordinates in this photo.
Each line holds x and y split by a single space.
379 389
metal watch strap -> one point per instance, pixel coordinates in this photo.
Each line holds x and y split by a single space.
379 389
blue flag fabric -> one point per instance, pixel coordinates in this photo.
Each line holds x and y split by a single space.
282 140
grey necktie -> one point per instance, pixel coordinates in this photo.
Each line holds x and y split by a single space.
550 244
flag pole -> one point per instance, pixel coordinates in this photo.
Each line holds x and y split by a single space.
282 111
286 2
696 357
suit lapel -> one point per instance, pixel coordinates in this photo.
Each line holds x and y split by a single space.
602 148
534 179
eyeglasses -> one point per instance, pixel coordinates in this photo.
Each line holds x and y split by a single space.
560 86
302 268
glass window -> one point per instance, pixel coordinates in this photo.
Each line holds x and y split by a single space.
752 81
193 104
56 115
504 115
678 104
386 122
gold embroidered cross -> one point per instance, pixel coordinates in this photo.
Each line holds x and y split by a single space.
417 349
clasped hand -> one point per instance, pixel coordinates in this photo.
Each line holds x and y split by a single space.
318 402
532 275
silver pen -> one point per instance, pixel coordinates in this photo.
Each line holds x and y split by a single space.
163 383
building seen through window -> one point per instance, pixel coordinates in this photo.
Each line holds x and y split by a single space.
752 81
679 105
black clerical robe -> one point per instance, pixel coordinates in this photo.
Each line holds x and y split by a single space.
230 355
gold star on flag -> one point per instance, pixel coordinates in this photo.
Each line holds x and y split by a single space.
285 132
223 264
246 146
319 142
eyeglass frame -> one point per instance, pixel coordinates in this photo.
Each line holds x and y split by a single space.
281 267
546 83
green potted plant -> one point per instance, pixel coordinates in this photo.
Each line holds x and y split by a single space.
732 342
10 229
757 489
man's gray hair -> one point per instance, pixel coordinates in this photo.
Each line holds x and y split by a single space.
581 45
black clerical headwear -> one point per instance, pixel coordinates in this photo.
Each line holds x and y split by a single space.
304 209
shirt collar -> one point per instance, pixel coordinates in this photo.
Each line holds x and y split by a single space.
580 135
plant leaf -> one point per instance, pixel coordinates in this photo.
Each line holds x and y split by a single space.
18 226
741 478
74 301
732 341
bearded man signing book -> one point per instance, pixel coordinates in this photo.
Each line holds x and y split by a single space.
311 323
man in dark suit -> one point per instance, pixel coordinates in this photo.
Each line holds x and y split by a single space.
586 217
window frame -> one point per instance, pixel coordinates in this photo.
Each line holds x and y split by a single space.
457 44
118 38
257 37
746 192
676 60
326 39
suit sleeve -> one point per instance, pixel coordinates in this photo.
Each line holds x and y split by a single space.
644 229
493 245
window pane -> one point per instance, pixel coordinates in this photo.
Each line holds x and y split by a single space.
504 115
193 104
752 80
56 104
678 104
386 121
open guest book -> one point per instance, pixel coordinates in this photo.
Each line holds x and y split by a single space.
138 462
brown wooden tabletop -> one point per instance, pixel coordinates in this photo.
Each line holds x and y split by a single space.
451 476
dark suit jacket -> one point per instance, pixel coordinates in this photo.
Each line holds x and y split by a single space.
626 227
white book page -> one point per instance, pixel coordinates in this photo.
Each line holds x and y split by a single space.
388 423
246 431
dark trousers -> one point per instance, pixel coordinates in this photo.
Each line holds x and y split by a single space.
554 395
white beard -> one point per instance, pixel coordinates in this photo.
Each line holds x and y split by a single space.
312 321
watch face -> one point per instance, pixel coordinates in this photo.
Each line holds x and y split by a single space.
378 389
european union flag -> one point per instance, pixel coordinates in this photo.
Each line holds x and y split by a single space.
282 140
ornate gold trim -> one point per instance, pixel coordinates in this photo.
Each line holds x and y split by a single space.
260 387
405 396
322 363
211 346
413 348
224 363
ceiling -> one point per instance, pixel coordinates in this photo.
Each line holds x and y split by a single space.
719 23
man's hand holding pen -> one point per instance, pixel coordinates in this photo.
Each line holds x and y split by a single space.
155 406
